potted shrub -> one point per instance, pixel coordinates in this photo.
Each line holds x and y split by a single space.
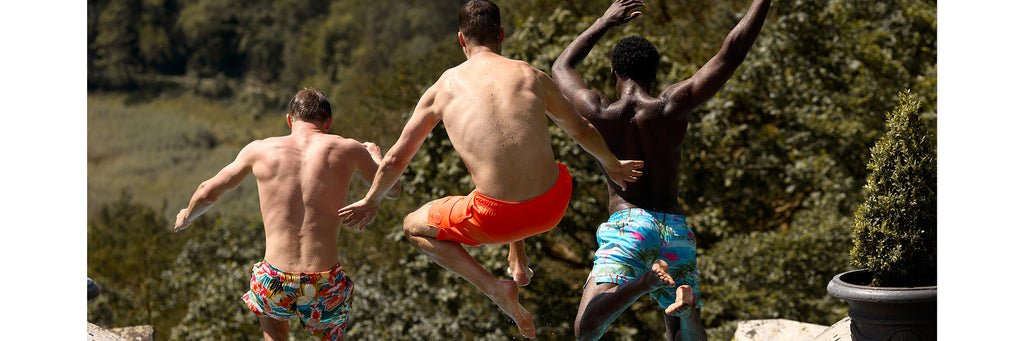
894 295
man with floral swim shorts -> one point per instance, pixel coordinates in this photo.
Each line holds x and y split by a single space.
646 246
495 111
302 178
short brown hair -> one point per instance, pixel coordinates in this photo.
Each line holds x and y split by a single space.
480 22
310 105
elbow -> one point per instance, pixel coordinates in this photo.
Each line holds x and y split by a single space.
734 50
390 163
205 194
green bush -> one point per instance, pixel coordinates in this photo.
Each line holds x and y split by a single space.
894 230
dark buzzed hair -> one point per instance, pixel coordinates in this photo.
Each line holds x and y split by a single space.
310 105
480 22
635 58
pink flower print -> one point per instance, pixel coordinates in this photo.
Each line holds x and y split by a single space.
671 257
689 234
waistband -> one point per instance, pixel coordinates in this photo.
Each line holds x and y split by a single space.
554 193
300 277
639 212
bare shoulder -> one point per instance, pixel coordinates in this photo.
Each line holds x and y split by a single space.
340 143
528 69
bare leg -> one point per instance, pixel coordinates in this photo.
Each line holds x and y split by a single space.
518 263
275 330
602 303
454 257
685 324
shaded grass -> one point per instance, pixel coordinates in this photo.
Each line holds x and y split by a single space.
162 149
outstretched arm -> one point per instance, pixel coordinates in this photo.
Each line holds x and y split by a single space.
713 75
563 71
424 118
370 165
583 132
211 190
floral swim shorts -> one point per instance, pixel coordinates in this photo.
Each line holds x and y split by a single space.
321 300
632 239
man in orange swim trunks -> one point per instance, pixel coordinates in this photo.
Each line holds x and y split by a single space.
495 111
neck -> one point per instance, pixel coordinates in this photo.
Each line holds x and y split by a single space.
303 127
629 88
477 50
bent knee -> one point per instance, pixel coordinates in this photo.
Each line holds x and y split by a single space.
415 223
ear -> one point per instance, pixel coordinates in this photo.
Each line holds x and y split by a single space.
501 34
329 122
288 117
462 40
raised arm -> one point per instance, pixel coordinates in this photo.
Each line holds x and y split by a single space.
713 75
423 120
580 130
210 190
563 71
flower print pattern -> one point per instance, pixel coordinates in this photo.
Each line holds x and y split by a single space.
633 239
320 300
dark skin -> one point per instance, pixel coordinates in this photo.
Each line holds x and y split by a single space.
641 127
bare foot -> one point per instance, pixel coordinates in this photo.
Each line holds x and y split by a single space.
507 298
684 298
657 277
522 274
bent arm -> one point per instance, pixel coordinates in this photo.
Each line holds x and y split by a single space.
210 190
397 159
370 163
423 120
583 132
563 71
706 82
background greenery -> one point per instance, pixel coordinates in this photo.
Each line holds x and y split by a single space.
774 164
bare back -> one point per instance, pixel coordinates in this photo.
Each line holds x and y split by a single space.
650 129
494 113
302 180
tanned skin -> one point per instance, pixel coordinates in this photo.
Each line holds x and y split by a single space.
302 179
639 126
495 111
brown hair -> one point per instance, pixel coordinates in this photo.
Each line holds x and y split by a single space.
310 105
480 22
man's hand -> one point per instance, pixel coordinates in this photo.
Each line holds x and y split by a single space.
624 171
182 220
374 151
619 12
358 214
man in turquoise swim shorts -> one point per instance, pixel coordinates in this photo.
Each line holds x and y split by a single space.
302 179
646 247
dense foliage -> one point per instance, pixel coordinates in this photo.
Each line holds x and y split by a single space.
773 165
894 230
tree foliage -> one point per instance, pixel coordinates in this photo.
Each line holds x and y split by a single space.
894 230
773 166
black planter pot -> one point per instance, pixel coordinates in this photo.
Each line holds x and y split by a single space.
886 313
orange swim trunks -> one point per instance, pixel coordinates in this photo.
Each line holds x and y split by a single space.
475 219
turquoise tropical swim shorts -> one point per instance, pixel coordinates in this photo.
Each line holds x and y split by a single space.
632 239
320 300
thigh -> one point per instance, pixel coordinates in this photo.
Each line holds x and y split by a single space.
625 251
274 329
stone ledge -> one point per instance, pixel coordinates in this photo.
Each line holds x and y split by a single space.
133 333
786 330
96 333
